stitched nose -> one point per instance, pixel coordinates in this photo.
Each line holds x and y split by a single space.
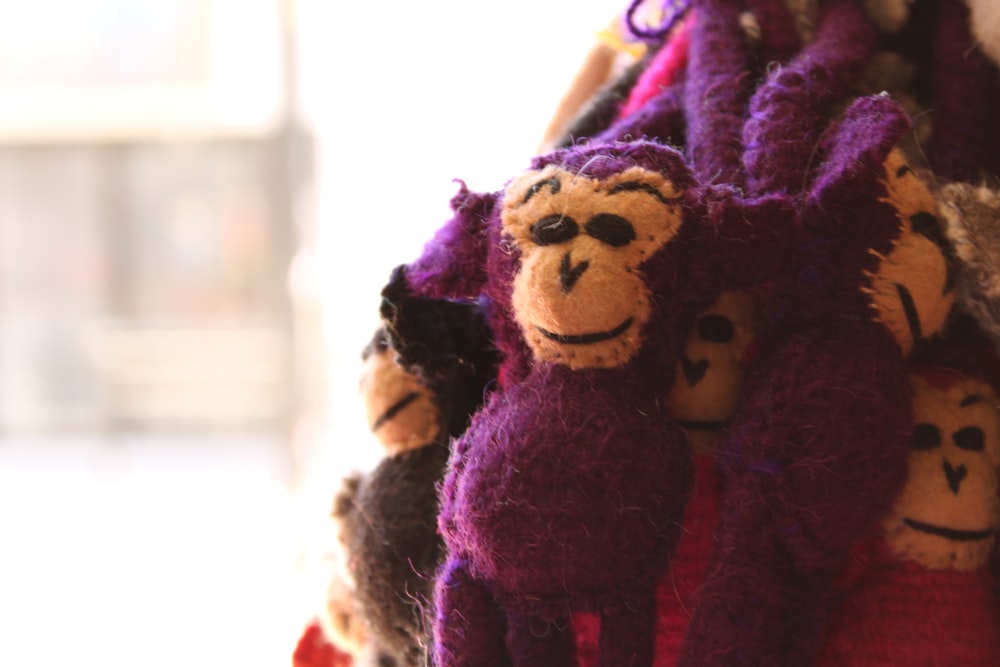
569 274
694 371
955 476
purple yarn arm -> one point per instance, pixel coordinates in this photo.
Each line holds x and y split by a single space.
779 40
817 453
962 80
717 91
453 263
468 628
787 112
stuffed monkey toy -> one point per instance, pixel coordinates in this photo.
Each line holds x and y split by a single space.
922 594
419 389
555 500
818 445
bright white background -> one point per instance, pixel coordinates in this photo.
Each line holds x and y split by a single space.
405 97
154 551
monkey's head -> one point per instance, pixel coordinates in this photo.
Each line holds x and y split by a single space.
583 223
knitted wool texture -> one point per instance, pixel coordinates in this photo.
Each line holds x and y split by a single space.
675 592
554 501
818 445
717 90
702 400
781 132
903 614
924 596
393 550
966 88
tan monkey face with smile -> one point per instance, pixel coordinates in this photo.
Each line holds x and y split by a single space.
947 515
579 296
914 287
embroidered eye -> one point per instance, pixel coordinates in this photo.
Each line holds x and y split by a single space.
554 229
716 329
927 225
925 437
970 438
612 229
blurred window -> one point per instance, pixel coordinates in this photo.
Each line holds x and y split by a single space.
148 165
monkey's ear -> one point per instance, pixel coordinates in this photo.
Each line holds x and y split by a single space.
453 263
853 170
435 338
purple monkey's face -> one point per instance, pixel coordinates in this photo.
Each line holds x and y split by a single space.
914 286
579 296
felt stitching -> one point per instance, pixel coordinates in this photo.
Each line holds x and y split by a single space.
949 533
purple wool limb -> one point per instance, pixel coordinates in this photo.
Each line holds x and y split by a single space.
779 41
963 79
817 449
717 92
805 483
788 111
453 263
468 626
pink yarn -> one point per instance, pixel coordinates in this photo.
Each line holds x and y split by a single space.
663 70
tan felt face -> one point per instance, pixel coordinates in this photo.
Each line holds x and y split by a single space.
398 407
913 288
579 296
948 513
709 375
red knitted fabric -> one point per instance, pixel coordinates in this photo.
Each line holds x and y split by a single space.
676 592
899 613
313 650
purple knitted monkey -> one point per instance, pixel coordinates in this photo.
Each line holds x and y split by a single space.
818 447
566 492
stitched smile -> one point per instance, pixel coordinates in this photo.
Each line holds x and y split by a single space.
587 339
694 425
948 533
